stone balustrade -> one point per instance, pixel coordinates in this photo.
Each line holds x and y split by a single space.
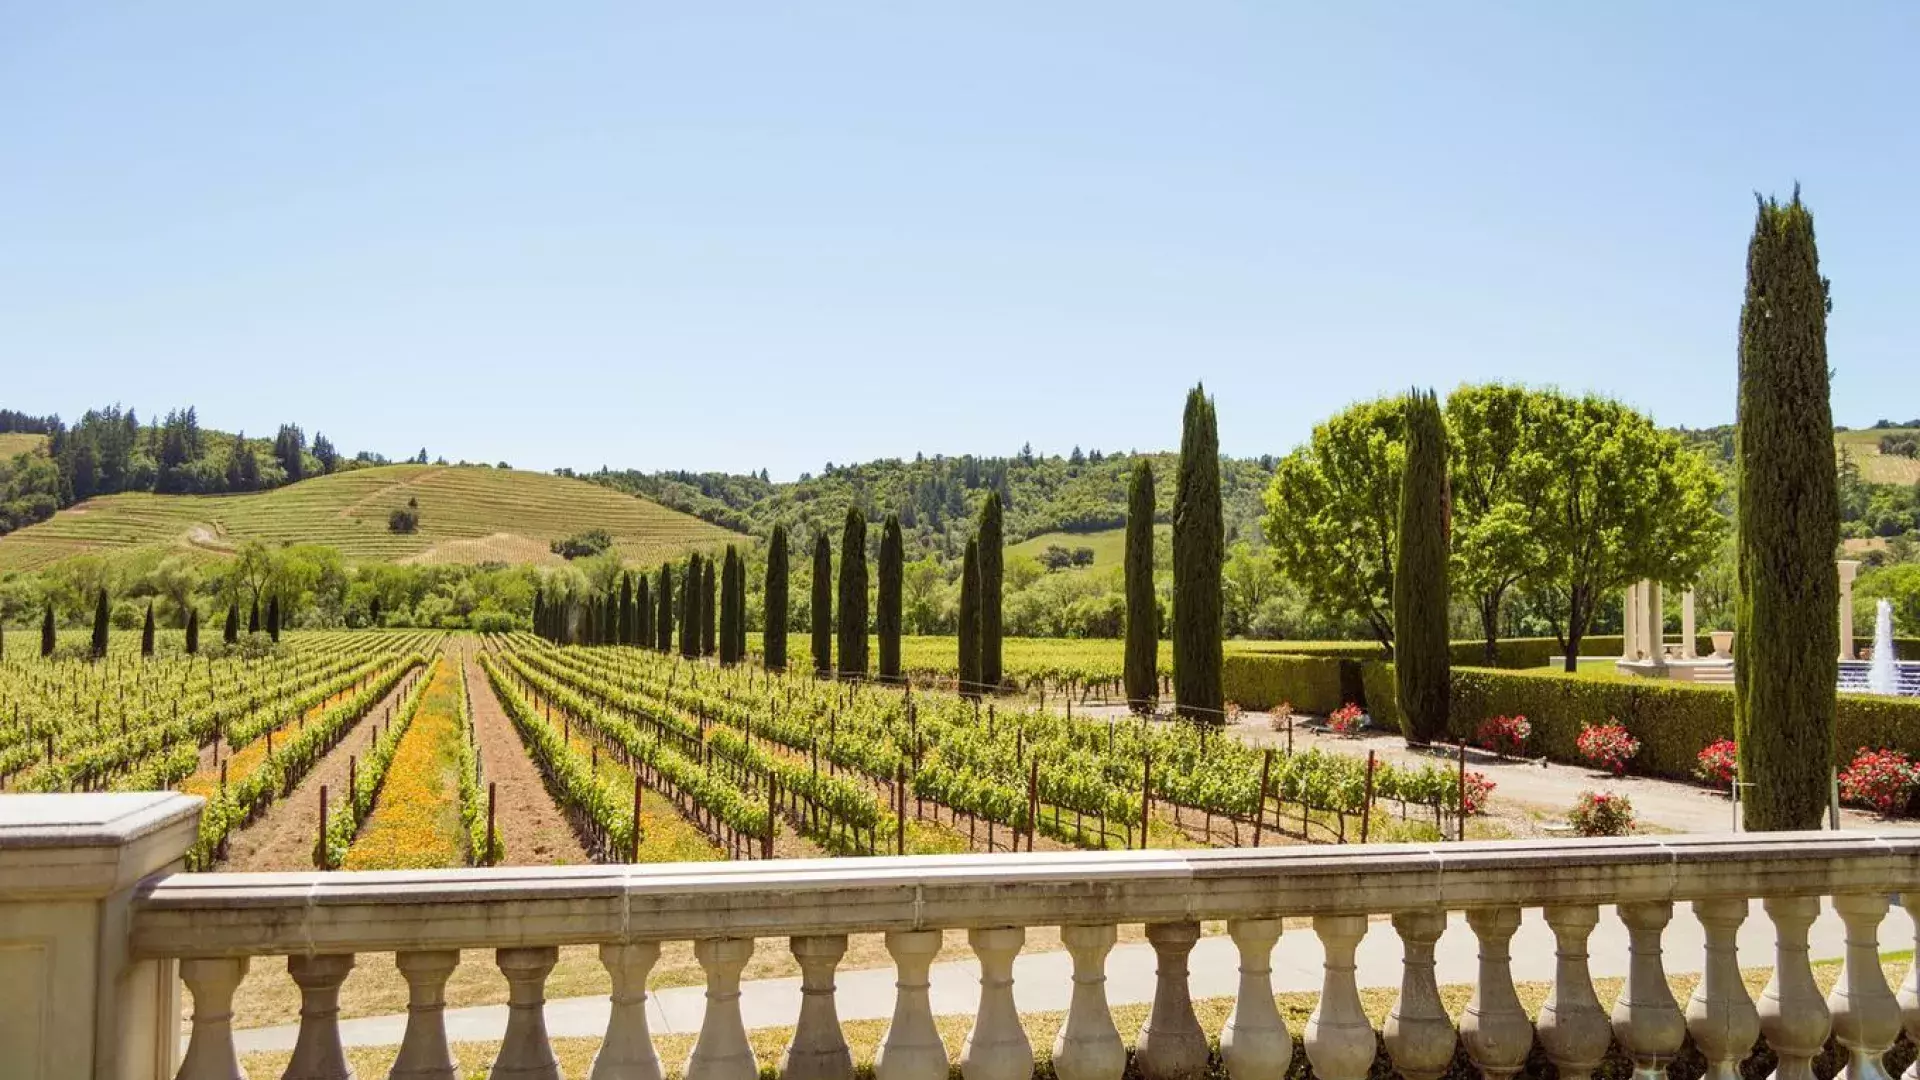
213 926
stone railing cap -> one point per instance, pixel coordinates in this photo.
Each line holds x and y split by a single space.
92 844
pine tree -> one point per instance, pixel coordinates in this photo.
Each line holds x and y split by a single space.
273 618
1420 667
1789 525
626 609
231 633
887 620
853 596
146 632
773 638
1199 535
253 617
992 583
1142 664
193 631
49 637
970 619
728 566
707 627
663 610
100 625
822 604
690 609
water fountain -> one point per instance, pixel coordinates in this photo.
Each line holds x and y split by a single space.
1883 676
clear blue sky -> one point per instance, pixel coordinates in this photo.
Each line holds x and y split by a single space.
669 236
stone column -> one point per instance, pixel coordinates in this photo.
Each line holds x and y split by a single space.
73 1003
1848 568
1656 632
1689 631
1630 624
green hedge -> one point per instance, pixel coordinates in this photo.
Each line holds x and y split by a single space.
1509 653
1672 720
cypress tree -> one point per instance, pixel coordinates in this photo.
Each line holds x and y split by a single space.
663 610
273 618
100 625
642 614
193 631
992 580
853 595
626 609
1142 665
822 605
231 633
740 608
146 632
373 612
727 628
539 612
253 617
1199 534
706 608
1420 657
690 609
1789 526
970 619
893 556
773 638
49 637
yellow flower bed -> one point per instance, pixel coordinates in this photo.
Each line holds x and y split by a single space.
416 822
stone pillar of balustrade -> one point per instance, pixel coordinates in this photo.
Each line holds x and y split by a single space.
1171 1044
74 1003
1419 1035
912 1049
722 1052
1573 1028
1254 1043
1866 1015
626 1053
1793 1016
1088 1046
1338 1037
1646 1020
525 1051
1495 1027
997 1047
819 1049
1721 1016
424 1054
317 1054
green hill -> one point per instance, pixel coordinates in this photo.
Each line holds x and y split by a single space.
468 514
1877 467
16 442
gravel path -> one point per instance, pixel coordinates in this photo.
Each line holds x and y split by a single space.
534 829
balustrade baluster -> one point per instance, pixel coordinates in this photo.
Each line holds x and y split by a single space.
626 1053
424 1054
1910 989
210 1054
1419 1034
1866 1017
1171 1045
1088 1046
1646 1019
1573 1027
1254 1043
912 1049
525 1052
1720 1015
997 1047
1339 1039
1495 1028
317 1054
1792 1015
722 1051
819 1049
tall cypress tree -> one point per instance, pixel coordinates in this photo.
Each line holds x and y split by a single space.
822 604
893 556
853 595
992 583
690 609
49 637
193 631
642 614
663 610
100 625
253 617
1142 665
231 633
626 609
727 629
539 611
146 632
1420 658
773 637
273 618
740 608
1789 526
706 607
1199 536
970 618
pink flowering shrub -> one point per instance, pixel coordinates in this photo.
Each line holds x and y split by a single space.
1346 719
1600 813
1881 779
1504 735
1716 763
1607 746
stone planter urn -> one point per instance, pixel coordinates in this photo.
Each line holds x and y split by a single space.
1722 644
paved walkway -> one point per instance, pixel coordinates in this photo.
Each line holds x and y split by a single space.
1042 981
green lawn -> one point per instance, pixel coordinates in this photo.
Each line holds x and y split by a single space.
1109 546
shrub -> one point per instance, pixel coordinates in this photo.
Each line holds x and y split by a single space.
1608 746
404 519
582 544
1477 789
1504 735
1601 814
1282 716
1716 763
1881 779
1346 719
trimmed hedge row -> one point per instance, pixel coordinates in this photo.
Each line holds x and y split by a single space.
1672 720
1509 653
